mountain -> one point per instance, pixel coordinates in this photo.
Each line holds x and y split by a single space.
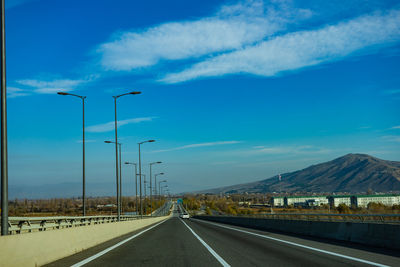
354 173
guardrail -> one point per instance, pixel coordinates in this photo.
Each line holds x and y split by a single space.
360 218
19 225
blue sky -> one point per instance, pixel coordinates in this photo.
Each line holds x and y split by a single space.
233 92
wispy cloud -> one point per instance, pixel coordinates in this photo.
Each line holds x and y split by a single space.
232 27
13 92
396 127
208 144
109 126
391 138
305 149
300 49
53 86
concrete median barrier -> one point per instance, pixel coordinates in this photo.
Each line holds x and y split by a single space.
374 234
39 248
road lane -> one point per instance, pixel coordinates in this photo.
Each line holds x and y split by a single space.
242 249
169 244
199 243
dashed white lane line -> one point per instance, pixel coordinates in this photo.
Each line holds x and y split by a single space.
101 253
299 245
218 257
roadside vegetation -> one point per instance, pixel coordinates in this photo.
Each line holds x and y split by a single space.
259 204
73 206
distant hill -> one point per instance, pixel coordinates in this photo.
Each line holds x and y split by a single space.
353 173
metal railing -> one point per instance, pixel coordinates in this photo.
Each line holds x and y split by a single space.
19 225
327 217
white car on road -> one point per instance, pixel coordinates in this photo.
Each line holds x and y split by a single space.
184 216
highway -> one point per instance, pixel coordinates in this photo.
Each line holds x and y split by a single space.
177 242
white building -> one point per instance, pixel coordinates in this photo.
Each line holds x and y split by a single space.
363 200
306 200
278 201
335 201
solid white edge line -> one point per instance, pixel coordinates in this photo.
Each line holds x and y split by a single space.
218 257
101 253
299 245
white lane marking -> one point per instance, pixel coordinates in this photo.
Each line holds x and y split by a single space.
101 253
218 257
299 245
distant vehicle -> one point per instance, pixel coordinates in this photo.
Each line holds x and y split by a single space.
184 216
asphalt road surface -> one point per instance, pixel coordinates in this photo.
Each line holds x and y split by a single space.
177 242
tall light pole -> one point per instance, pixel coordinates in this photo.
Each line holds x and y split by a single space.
145 196
140 175
116 139
155 182
119 181
151 202
83 149
135 175
4 156
159 187
164 186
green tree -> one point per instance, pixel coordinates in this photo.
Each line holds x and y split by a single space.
343 208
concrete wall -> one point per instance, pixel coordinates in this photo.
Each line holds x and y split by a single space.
380 235
39 248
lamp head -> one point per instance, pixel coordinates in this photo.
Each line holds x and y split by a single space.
62 93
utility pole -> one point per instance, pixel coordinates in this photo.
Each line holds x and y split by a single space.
4 157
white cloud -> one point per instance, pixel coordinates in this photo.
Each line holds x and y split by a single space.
396 127
218 143
305 149
231 28
391 138
109 126
13 92
51 87
300 49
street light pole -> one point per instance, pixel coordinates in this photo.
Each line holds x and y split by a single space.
120 176
155 182
83 150
144 187
159 187
135 175
151 194
4 154
116 157
162 187
140 176
119 180
116 147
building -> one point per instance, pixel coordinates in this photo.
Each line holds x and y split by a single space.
306 201
278 201
335 201
363 200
